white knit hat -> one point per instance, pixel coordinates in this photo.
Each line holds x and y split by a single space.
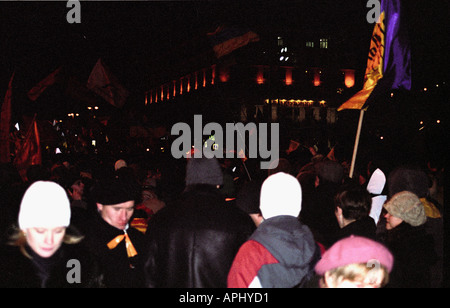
44 205
281 194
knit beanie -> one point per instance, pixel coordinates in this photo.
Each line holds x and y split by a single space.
115 190
44 205
281 194
203 171
408 207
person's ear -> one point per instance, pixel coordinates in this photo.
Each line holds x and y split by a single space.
99 207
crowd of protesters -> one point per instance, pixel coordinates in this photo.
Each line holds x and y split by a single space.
217 223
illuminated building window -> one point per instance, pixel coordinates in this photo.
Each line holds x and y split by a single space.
288 80
323 43
213 73
280 41
196 81
310 44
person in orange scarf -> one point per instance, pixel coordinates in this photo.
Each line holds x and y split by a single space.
109 235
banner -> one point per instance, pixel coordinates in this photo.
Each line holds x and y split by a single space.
227 39
38 89
28 150
106 85
389 59
5 124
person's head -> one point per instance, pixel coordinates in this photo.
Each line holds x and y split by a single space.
115 201
352 203
248 201
44 216
408 178
203 171
355 262
282 165
281 194
329 171
405 207
120 164
151 200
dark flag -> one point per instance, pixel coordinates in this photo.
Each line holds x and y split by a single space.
102 82
5 123
227 39
38 89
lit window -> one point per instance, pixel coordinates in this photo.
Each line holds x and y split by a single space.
310 44
280 41
323 43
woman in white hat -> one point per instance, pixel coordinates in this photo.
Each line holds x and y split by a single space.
41 253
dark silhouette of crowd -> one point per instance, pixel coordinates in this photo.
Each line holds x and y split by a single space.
160 222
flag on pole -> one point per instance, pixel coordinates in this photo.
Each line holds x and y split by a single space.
28 150
102 82
38 89
389 59
5 123
227 39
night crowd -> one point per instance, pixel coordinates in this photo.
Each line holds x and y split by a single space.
157 222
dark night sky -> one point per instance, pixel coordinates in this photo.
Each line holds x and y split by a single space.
138 39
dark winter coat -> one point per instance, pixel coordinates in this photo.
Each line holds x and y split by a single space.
318 213
362 227
20 271
192 243
414 255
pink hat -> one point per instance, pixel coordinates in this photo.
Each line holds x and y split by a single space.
354 249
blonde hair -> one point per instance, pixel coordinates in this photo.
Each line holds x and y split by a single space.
19 239
371 274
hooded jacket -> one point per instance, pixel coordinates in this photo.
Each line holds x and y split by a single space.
281 253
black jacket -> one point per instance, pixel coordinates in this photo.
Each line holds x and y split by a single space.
362 227
318 213
414 254
19 271
193 242
120 270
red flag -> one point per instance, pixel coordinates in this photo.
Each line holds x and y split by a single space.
106 85
38 89
28 150
5 123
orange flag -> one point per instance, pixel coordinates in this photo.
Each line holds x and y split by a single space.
5 123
